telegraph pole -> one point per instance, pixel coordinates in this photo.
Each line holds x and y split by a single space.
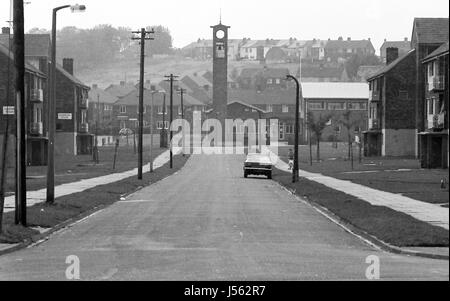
182 91
171 78
143 37
19 63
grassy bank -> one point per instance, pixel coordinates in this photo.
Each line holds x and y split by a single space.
72 206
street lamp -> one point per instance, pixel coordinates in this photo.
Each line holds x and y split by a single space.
51 106
297 109
151 127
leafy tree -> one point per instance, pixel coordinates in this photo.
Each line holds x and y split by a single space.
162 43
317 126
349 125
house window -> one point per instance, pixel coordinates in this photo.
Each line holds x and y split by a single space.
145 109
431 69
269 108
160 124
123 109
357 106
269 81
278 81
289 129
180 112
285 109
336 106
320 105
161 110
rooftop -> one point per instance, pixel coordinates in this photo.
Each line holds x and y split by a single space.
430 30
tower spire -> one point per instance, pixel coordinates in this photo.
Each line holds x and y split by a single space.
220 16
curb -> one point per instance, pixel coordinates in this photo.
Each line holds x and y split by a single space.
40 238
360 234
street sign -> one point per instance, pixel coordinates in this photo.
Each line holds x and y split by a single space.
64 116
8 110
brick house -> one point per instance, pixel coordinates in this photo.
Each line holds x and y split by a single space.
120 90
434 139
340 49
35 84
334 100
428 34
72 127
391 124
126 113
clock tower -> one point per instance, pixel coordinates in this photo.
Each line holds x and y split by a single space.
220 71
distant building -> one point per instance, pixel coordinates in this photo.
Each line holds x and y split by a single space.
340 49
120 90
35 84
364 72
322 73
402 46
101 110
428 35
72 103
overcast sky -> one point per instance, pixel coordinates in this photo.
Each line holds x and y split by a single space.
257 19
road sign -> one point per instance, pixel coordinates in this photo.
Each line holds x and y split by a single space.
64 116
8 110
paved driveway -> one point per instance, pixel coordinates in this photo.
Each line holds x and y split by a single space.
209 223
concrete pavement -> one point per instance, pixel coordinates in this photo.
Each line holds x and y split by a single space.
209 223
39 196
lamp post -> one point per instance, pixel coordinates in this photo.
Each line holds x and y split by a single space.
51 107
297 121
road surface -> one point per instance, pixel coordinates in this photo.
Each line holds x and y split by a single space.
209 223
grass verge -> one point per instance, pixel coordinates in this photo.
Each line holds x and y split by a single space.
390 226
74 205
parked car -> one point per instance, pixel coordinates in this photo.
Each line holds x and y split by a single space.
257 164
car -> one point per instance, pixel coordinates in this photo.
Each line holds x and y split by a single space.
257 164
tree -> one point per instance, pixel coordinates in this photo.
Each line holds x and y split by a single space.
317 126
355 61
162 43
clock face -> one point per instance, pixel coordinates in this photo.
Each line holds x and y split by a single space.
220 34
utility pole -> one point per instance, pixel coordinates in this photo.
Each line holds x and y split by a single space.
171 78
142 39
182 91
19 63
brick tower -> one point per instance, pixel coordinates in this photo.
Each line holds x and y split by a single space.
220 71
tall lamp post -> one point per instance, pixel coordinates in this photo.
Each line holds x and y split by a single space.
51 107
297 126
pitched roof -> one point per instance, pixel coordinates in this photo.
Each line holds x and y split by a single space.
269 96
352 44
264 72
120 90
70 77
158 99
443 49
36 45
246 105
28 67
430 30
404 45
101 95
389 67
329 91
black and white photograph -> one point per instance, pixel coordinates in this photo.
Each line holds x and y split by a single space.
224 146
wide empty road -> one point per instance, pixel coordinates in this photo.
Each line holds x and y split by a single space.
209 223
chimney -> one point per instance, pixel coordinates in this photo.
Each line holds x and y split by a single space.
94 86
369 39
5 30
68 65
340 39
122 83
406 39
349 39
391 54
